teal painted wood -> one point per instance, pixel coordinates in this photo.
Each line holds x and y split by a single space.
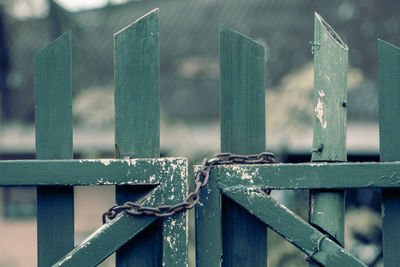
53 111
312 242
137 134
208 226
242 107
137 93
105 241
136 78
327 208
330 93
156 171
123 228
88 172
309 175
389 129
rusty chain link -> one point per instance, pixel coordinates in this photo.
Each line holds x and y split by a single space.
201 180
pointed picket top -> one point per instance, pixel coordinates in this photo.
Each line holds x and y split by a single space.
330 93
329 31
150 16
225 29
63 40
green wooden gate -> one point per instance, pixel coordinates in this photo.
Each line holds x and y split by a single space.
235 207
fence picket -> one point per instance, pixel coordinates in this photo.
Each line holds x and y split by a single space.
53 98
243 132
137 122
389 137
330 109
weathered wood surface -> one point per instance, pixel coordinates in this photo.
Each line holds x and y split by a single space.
123 228
389 136
156 171
309 175
88 171
53 112
326 208
330 93
242 70
294 229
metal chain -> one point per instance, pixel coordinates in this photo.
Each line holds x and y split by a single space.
201 180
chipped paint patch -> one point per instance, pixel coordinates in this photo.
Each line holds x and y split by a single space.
319 112
105 162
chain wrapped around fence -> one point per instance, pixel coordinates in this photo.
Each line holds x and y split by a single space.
201 180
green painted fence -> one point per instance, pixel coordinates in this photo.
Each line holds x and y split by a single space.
235 208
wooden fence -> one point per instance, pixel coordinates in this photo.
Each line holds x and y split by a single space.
234 208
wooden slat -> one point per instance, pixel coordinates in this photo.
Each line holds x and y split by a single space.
137 134
157 171
330 94
330 111
53 107
136 78
242 132
309 175
294 229
389 129
208 226
88 172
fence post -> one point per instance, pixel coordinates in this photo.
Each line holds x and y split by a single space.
137 122
389 136
53 111
330 110
242 72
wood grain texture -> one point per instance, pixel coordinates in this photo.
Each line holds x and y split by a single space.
53 111
326 208
312 242
389 137
242 105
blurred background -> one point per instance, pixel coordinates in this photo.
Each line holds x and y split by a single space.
189 89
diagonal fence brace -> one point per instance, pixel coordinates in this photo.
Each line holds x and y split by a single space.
294 229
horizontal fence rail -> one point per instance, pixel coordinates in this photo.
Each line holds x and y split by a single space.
90 171
310 175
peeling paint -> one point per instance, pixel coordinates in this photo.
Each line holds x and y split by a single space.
319 112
